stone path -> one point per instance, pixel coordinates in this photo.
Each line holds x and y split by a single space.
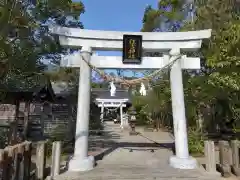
131 157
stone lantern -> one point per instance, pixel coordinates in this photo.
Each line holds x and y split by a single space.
132 120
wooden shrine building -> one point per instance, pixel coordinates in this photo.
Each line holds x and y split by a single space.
18 95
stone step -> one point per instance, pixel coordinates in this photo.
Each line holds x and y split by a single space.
136 172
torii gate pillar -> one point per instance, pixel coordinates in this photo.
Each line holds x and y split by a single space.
181 160
80 160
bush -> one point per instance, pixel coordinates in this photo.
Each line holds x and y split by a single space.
3 137
196 141
60 133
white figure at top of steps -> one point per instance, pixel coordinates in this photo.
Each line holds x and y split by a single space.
112 89
143 91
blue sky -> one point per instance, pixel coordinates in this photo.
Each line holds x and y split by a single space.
113 15
123 15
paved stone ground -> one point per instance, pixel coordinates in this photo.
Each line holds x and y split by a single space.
141 163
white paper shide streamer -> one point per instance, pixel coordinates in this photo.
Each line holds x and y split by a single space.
143 91
112 89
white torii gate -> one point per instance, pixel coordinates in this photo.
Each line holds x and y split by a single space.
170 43
112 103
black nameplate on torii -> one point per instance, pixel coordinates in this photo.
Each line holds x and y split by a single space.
132 49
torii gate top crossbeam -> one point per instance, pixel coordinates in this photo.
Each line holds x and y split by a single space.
112 40
118 35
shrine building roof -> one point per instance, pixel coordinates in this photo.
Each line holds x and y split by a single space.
105 94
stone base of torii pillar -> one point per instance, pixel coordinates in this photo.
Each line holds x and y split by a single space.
183 163
78 164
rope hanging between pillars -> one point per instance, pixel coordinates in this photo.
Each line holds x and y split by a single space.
133 81
111 110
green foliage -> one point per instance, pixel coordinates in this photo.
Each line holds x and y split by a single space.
24 35
221 54
3 137
141 116
222 50
219 76
155 107
211 94
60 133
195 141
166 18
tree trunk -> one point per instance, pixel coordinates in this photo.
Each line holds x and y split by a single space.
200 121
26 120
14 125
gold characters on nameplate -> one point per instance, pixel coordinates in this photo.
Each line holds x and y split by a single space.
132 49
